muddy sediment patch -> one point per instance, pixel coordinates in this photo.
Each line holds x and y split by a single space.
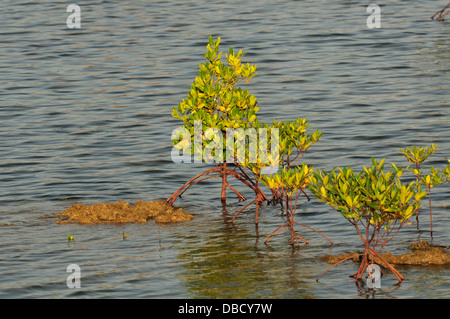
123 212
422 254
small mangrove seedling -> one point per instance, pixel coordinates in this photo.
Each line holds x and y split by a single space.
289 184
429 181
70 237
374 201
418 155
294 142
215 104
287 147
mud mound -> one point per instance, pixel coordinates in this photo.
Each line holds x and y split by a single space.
355 256
123 212
423 254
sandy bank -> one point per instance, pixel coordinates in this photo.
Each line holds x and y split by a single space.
123 212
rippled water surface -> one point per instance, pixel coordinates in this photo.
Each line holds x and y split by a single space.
86 118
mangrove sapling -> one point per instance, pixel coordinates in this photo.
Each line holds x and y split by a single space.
290 184
416 156
374 201
431 180
287 147
215 103
294 142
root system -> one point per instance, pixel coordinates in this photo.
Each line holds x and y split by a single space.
422 254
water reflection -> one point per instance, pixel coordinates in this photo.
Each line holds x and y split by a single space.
375 293
228 262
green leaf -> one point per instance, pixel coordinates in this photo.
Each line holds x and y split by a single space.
408 212
349 201
420 196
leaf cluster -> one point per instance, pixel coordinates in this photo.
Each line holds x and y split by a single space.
214 97
294 141
373 194
417 155
291 144
290 180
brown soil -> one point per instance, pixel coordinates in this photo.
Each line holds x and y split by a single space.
123 212
423 254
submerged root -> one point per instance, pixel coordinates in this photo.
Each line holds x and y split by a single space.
441 13
123 212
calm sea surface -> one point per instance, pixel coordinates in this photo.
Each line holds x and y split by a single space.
86 118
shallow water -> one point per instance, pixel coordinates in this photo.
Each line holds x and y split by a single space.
86 118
